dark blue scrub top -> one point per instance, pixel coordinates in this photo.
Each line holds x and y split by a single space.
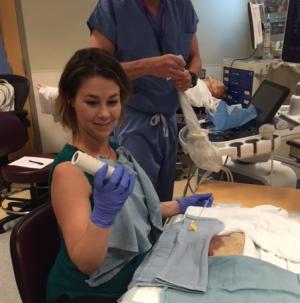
127 25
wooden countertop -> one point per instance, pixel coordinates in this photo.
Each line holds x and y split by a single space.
248 195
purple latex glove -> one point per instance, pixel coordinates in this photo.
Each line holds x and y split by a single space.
204 200
110 194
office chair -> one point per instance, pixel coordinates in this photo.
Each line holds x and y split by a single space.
21 87
13 136
34 244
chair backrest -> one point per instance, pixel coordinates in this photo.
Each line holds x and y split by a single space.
13 133
34 244
21 87
13 125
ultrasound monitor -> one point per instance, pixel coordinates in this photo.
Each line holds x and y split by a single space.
267 100
291 44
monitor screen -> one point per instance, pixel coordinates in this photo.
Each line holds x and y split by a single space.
291 44
255 24
267 100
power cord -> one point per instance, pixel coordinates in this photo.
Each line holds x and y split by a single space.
191 173
205 176
272 169
222 172
243 58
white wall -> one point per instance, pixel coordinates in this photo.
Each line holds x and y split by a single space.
54 30
223 29
223 32
53 135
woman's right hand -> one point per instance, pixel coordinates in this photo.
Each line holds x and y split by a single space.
110 194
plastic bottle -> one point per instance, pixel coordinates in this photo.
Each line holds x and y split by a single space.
294 108
267 54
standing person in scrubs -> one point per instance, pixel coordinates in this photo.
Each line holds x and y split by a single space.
155 42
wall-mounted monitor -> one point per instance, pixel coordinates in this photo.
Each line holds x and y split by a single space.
255 24
291 44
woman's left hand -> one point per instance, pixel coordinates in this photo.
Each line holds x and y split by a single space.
203 200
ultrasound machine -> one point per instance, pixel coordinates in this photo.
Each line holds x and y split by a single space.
267 100
248 150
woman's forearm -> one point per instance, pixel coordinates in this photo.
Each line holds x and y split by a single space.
89 252
169 208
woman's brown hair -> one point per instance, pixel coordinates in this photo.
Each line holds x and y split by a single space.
84 64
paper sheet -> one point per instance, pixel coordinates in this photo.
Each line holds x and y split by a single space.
32 162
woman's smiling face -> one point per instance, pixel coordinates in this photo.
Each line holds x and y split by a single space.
97 106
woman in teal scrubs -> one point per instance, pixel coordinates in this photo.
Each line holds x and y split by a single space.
107 225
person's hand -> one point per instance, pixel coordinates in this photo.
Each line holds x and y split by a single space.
183 81
204 200
167 66
110 194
